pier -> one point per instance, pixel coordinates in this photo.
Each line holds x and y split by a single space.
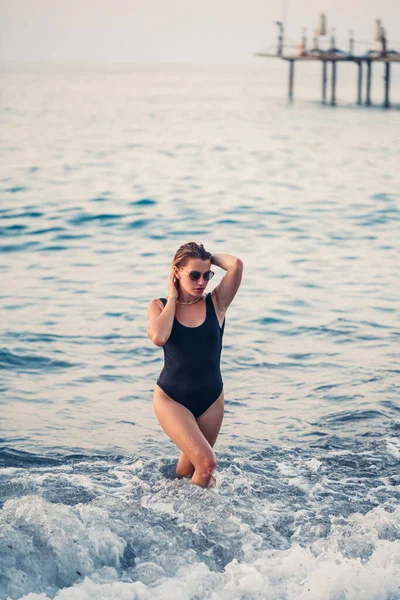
330 59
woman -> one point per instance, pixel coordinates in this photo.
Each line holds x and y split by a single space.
189 397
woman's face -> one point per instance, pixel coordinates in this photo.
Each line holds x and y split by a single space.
186 283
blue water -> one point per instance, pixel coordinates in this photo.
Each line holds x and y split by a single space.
104 172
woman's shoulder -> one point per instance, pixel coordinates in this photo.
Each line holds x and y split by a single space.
160 302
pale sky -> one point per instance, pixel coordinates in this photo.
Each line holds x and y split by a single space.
206 31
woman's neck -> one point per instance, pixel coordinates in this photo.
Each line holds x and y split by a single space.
186 297
189 299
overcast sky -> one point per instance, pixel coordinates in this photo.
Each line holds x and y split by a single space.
175 30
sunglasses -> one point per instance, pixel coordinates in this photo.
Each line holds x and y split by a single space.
195 275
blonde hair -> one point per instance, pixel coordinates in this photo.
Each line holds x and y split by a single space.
190 250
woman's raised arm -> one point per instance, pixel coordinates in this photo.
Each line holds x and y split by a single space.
229 285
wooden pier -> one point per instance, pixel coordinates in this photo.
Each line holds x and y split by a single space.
333 56
333 60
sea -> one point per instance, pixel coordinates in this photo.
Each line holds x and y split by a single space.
106 169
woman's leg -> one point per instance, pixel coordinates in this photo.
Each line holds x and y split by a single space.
181 426
211 420
184 468
209 424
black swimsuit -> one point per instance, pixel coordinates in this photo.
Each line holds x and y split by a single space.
191 374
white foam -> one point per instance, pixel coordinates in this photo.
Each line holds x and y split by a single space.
393 448
53 544
329 569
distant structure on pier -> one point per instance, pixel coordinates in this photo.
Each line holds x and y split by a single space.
325 51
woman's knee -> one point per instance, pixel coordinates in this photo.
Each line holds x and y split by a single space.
206 463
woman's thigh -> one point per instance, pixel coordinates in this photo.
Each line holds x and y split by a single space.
211 420
181 426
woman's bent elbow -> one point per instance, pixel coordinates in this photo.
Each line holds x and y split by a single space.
239 264
156 340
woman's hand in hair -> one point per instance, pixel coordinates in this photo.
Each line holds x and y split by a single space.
173 291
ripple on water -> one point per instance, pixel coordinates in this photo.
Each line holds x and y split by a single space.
30 214
353 415
269 321
83 218
138 224
46 230
11 361
143 202
9 248
13 230
16 189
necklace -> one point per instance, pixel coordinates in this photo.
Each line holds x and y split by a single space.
192 302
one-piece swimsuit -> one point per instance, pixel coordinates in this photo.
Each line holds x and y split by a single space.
191 374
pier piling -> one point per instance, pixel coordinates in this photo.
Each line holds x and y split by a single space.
369 77
291 79
324 81
360 78
333 94
386 103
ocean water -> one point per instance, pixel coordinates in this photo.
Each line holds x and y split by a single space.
105 170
